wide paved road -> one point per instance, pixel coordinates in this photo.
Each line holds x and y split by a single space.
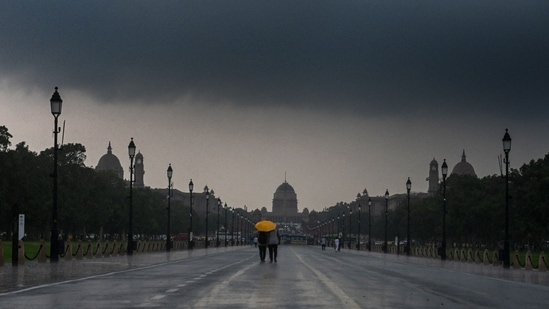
304 277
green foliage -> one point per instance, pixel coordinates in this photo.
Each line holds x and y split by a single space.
89 202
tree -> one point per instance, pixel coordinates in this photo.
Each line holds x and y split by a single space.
4 139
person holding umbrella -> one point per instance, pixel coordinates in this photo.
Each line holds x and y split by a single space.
263 228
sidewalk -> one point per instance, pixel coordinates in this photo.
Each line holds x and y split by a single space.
512 274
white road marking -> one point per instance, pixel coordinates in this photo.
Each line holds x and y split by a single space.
348 301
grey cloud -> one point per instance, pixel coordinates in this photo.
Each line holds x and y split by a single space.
362 56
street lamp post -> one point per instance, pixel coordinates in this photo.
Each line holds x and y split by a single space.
408 240
358 236
169 173
225 236
55 105
207 193
369 224
232 228
444 174
385 247
350 230
191 241
131 153
342 241
338 225
506 246
217 233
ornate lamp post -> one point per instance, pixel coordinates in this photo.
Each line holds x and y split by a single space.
409 240
444 174
191 241
385 247
169 173
55 104
358 236
207 193
217 233
506 246
131 153
369 224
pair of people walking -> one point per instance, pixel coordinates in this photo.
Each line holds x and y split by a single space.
269 240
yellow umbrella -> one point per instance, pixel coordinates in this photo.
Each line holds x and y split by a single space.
265 226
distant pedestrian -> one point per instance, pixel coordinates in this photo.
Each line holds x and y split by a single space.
274 241
255 241
336 244
262 241
323 243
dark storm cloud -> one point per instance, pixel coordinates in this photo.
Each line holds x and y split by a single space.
362 56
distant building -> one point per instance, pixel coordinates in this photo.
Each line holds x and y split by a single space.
284 206
139 171
464 168
433 178
110 162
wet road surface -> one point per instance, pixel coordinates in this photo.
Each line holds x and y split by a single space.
304 277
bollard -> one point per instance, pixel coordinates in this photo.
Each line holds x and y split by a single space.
68 250
516 262
42 253
542 266
79 254
89 252
1 253
485 258
98 250
528 261
114 251
21 252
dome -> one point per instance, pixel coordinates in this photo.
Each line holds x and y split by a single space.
285 187
109 162
464 167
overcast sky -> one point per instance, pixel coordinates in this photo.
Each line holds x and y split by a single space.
336 96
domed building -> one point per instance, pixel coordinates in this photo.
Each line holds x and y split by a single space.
110 162
464 167
285 200
285 206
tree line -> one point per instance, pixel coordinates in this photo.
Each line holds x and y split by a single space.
90 202
475 212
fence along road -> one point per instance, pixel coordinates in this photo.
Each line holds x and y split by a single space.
304 277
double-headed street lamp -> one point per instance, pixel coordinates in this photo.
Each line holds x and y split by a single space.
131 153
191 242
55 104
506 246
444 174
207 193
169 173
409 240
385 247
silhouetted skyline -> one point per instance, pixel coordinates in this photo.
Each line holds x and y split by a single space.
341 96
